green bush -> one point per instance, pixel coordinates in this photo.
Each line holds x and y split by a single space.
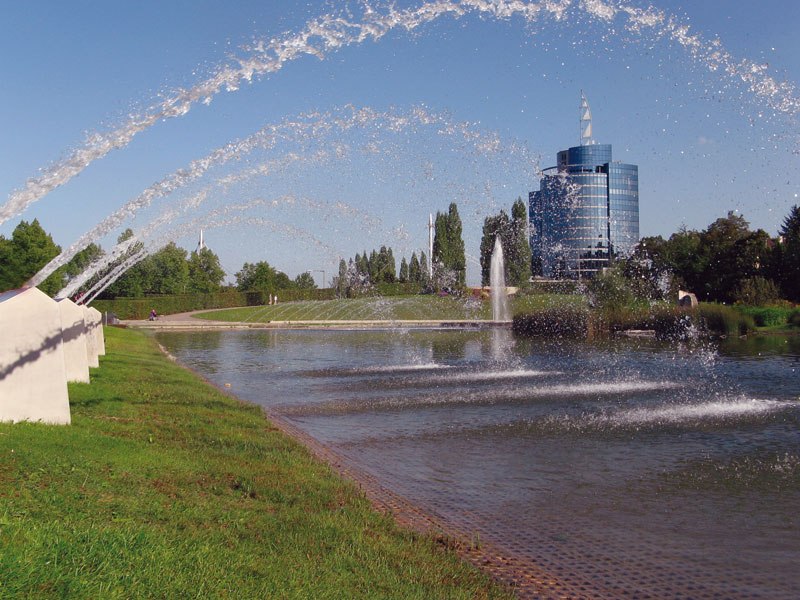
724 320
610 290
139 308
767 316
794 318
563 321
756 291
619 318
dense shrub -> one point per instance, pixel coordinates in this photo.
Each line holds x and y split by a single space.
619 318
553 322
667 321
794 318
139 308
767 316
756 291
610 290
724 320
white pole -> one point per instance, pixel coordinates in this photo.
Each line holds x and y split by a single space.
430 244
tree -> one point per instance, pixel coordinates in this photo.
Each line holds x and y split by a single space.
363 266
788 263
391 267
730 253
716 251
260 277
29 249
168 271
384 267
513 234
340 284
725 262
493 227
424 272
756 291
133 282
374 266
403 278
519 251
610 289
414 269
305 281
79 263
448 245
205 273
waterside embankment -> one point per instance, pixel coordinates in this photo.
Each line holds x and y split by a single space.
165 486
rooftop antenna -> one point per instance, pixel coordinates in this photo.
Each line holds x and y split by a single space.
586 122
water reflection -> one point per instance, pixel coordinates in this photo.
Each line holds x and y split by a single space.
642 467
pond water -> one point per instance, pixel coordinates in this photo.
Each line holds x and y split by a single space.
631 468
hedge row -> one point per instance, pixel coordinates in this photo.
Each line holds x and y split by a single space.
139 308
768 316
668 322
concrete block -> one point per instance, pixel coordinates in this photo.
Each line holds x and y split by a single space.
33 378
73 330
687 299
91 338
98 330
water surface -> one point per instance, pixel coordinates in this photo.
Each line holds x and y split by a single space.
626 467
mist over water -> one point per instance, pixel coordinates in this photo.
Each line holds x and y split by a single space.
617 461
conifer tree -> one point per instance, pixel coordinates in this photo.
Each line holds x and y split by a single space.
414 269
424 273
403 278
448 244
789 262
519 251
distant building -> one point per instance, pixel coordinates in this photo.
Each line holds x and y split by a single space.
586 210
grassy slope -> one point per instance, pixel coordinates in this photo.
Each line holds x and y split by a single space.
389 308
165 487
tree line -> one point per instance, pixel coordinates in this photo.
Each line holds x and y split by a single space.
29 249
360 274
169 271
725 262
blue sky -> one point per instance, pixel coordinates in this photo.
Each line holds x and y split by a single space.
704 143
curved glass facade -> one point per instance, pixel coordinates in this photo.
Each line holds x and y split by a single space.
585 212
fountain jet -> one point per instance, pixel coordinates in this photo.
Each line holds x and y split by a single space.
497 282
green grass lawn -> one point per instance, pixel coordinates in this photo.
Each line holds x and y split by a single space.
384 309
165 487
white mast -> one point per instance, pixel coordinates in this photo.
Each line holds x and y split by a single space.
201 244
430 244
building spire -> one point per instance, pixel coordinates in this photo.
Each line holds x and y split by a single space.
201 244
586 121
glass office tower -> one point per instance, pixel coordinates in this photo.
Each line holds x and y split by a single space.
585 212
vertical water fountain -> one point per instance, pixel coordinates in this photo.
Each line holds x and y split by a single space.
497 282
